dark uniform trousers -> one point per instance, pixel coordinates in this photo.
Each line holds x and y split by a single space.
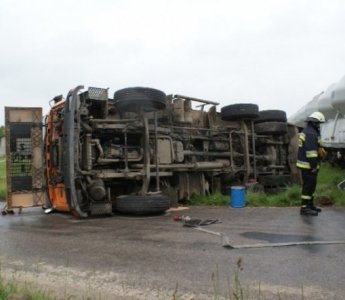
309 185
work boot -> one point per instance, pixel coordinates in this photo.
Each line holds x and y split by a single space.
317 209
312 206
308 211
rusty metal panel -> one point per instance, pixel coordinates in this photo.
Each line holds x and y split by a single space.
164 146
24 159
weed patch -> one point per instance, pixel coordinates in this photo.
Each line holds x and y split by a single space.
10 289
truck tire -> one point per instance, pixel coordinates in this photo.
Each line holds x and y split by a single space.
239 111
139 98
271 116
142 205
273 128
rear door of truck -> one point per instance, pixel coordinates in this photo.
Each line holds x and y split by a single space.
24 157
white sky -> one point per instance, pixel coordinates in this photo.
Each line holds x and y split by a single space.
277 54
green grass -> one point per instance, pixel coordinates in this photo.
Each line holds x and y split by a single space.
289 197
2 178
215 199
13 289
328 179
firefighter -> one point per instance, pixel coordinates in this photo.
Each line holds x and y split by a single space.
310 153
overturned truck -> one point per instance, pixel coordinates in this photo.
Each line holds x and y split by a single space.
142 151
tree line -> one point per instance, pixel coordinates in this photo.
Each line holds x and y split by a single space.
2 131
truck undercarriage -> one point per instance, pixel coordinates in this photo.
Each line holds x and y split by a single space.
142 151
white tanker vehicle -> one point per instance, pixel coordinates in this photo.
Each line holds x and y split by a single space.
331 103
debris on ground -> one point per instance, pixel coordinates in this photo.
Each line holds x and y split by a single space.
325 201
194 222
179 208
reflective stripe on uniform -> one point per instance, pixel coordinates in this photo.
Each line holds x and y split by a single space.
306 197
303 164
301 139
301 136
311 153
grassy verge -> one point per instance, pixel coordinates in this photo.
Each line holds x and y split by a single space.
12 290
328 179
2 178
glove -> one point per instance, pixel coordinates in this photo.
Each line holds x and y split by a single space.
322 152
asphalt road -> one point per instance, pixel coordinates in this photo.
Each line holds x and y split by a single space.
155 257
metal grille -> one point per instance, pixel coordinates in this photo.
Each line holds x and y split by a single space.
24 160
37 168
20 156
98 93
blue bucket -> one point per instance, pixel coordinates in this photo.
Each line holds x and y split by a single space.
238 196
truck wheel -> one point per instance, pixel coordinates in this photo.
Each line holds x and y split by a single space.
239 111
142 205
273 128
271 116
139 98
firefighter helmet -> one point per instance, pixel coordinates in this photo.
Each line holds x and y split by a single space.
316 117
